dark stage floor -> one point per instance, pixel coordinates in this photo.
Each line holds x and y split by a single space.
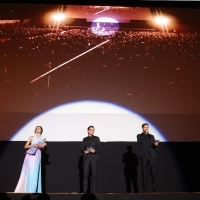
101 196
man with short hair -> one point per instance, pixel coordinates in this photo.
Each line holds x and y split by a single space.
91 147
147 155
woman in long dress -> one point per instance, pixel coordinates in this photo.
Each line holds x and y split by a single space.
30 178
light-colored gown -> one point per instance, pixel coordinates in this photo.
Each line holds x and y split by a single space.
30 178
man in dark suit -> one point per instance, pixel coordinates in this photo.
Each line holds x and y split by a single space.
147 154
91 147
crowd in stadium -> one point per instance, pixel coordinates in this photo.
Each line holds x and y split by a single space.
16 42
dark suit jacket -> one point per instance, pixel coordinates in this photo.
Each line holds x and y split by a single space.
146 146
93 142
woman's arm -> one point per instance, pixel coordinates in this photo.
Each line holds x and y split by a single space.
28 145
44 145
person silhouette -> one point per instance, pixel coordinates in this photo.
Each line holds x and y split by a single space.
130 160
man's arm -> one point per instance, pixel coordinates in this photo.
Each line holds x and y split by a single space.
98 144
83 150
153 143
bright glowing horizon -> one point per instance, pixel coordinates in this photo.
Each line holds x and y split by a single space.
106 19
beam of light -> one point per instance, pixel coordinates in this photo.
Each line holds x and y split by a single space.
68 61
162 21
58 17
101 11
70 121
48 81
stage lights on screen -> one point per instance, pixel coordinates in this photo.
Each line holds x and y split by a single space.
162 20
58 17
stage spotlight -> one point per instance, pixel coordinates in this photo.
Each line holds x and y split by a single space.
161 20
58 16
